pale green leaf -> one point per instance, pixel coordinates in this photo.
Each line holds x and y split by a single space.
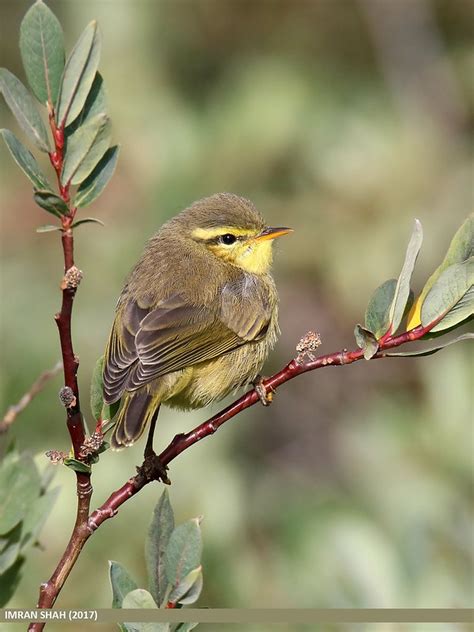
96 103
95 183
77 466
10 580
402 290
36 517
85 148
10 548
451 298
460 249
22 105
377 312
430 350
25 160
121 582
48 228
159 532
188 589
51 202
366 340
183 553
87 220
138 598
20 485
79 74
42 51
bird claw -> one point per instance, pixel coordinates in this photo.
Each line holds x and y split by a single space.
265 393
153 469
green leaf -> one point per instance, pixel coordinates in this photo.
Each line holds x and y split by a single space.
9 581
402 290
36 517
431 350
121 582
97 389
96 182
77 466
79 74
377 312
145 627
25 160
88 220
366 340
460 249
159 532
51 202
85 148
451 297
42 51
10 549
138 598
183 553
109 411
96 103
48 228
20 485
21 103
189 589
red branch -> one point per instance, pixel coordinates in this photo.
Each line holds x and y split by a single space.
85 526
50 589
184 441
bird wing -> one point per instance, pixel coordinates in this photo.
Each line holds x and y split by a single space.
146 344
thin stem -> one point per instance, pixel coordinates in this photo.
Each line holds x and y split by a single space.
50 589
37 386
184 441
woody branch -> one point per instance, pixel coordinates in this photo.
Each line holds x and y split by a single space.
303 363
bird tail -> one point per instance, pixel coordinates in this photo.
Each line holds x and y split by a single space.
136 411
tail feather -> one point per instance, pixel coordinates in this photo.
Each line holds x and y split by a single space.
136 411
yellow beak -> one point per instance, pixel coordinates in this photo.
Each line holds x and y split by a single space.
273 233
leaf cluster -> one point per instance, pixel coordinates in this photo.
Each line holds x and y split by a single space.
79 140
446 302
173 560
25 503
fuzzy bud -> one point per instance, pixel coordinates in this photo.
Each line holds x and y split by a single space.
308 343
92 444
72 278
56 456
67 397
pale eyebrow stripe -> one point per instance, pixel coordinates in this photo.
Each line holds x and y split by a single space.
206 234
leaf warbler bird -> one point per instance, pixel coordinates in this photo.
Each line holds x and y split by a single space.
197 316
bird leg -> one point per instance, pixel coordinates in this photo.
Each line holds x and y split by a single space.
152 469
265 394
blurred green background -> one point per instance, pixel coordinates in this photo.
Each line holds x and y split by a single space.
345 120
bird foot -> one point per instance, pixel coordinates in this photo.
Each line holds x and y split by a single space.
265 393
153 469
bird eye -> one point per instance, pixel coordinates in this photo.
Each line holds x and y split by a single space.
228 239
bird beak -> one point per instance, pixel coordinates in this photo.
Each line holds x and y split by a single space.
273 232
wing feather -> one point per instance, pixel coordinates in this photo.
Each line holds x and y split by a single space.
147 343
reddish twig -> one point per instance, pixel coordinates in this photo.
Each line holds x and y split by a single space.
72 276
37 386
184 441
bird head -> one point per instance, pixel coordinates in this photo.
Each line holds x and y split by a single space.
230 228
